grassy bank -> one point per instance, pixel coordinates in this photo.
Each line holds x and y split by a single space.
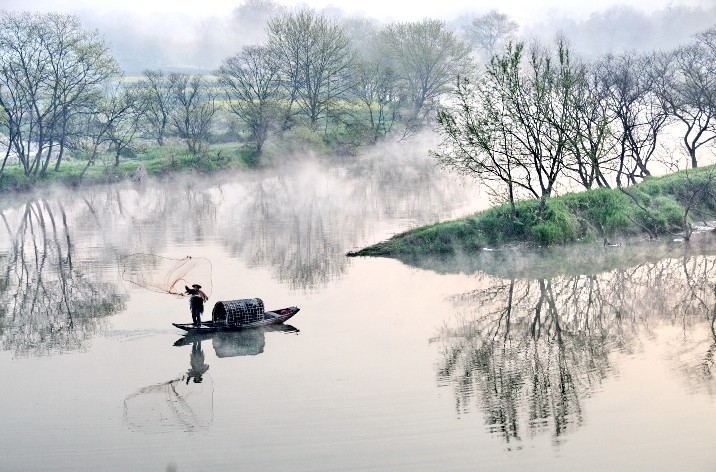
227 151
656 207
154 161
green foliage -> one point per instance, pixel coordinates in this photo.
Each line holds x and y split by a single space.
601 210
303 139
497 226
441 238
555 227
662 214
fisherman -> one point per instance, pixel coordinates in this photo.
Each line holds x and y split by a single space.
196 302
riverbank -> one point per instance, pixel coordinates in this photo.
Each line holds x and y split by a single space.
656 207
155 161
174 158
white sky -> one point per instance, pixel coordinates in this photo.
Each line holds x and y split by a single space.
524 11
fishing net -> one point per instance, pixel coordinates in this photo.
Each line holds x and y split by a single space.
167 275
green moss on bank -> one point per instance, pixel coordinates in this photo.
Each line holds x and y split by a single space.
656 206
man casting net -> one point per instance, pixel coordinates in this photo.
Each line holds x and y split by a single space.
167 275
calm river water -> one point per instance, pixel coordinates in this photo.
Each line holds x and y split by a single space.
569 359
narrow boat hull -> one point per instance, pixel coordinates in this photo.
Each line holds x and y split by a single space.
270 318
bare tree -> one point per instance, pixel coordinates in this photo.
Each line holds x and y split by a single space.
489 31
427 58
476 139
81 65
194 114
686 85
110 120
158 102
541 100
708 38
519 130
640 117
9 136
24 89
375 88
592 142
315 55
51 68
375 82
123 131
252 83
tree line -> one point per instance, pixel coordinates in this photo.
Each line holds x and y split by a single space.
62 91
537 116
528 117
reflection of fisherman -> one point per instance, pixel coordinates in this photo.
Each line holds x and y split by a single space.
196 302
196 361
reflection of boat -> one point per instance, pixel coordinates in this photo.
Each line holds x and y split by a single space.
269 318
248 342
193 336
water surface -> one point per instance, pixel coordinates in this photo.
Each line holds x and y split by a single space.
589 359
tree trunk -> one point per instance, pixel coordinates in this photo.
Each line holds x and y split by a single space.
4 161
692 154
46 164
542 205
62 145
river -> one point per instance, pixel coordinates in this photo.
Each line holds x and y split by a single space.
587 358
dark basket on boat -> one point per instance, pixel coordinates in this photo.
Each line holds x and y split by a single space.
233 312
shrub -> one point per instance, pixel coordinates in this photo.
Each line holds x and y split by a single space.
601 208
556 225
303 139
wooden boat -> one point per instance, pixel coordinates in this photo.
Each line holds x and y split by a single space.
270 318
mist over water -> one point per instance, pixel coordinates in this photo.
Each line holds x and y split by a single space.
558 359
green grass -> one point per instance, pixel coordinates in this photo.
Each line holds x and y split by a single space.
229 149
654 207
155 160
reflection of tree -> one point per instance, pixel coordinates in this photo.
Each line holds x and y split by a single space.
60 259
520 354
302 223
694 356
529 350
50 299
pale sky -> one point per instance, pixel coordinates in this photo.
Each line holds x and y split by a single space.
524 11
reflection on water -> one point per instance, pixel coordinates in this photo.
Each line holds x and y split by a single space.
60 263
302 223
185 403
249 342
534 349
52 299
196 361
528 351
